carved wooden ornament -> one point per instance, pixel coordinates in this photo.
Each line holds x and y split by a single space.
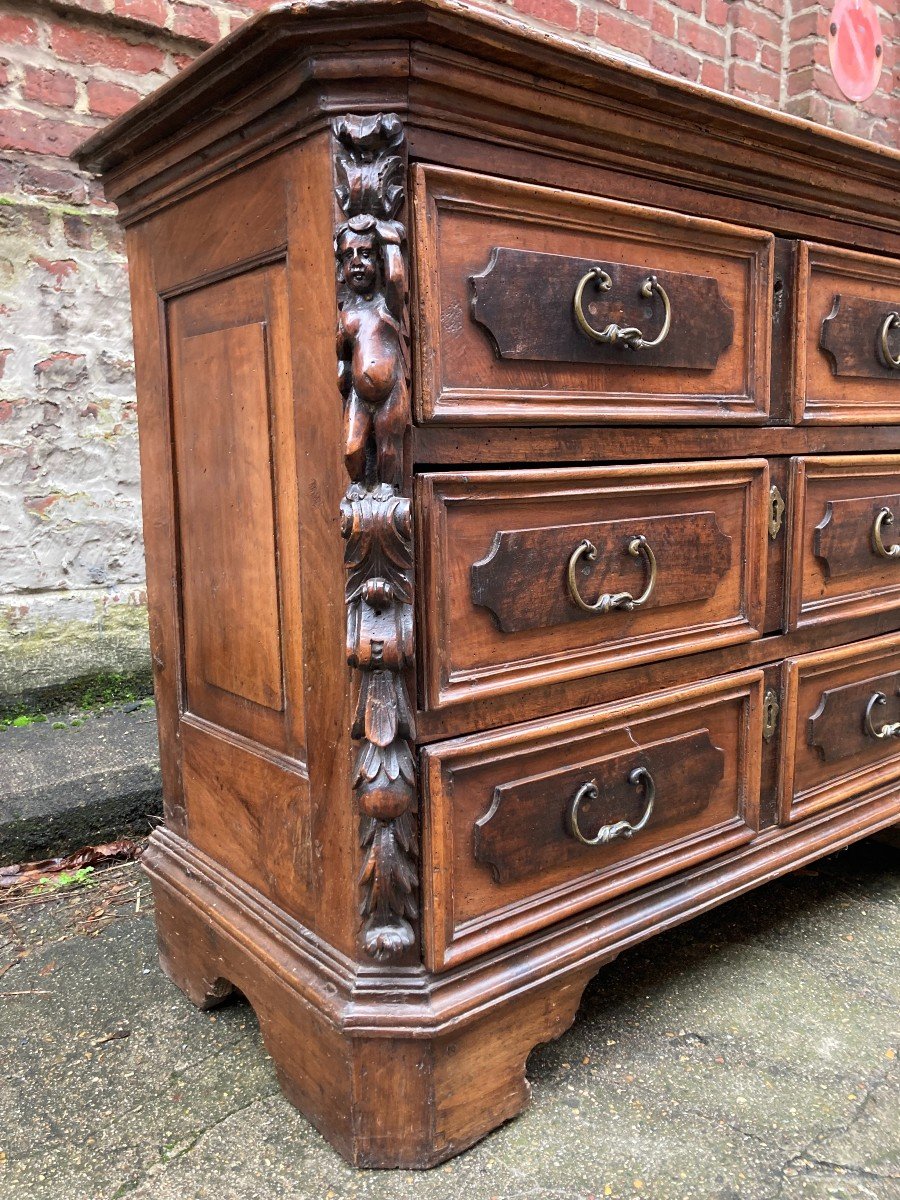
376 520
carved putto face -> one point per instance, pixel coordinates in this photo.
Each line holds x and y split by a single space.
358 254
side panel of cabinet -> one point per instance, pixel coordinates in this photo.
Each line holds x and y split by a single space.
224 491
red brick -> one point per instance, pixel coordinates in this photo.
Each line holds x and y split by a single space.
770 58
154 12
879 104
808 24
4 73
39 135
691 6
851 120
713 75
800 81
50 87
716 12
663 22
15 30
700 37
614 29
110 99
60 269
763 24
744 45
800 56
753 82
642 10
195 22
587 20
674 60
557 12
75 44
62 185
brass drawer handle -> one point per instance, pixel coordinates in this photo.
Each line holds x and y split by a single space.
886 731
610 600
891 321
885 517
620 829
622 335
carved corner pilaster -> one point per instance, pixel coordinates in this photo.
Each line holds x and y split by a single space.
376 519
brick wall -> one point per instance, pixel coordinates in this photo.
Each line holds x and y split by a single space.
71 578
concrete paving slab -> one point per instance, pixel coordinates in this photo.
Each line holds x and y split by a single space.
78 779
753 1054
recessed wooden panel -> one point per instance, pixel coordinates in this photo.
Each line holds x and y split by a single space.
834 568
232 633
841 376
828 756
498 615
497 832
474 361
248 808
233 435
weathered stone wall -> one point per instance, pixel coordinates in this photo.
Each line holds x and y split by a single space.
72 601
71 579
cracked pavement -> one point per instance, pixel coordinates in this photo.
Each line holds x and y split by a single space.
753 1054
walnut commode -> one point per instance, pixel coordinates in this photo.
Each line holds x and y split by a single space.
520 442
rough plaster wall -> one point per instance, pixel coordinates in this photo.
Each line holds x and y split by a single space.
71 564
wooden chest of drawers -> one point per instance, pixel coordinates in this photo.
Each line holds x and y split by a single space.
521 464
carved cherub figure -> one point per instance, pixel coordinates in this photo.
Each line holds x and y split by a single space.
371 350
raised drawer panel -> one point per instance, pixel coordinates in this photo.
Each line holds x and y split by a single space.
841 726
499 265
842 562
663 782
505 556
848 322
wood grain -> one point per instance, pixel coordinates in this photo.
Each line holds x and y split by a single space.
465 654
827 759
521 583
460 218
834 571
850 335
708 802
837 727
842 298
263 191
525 833
524 301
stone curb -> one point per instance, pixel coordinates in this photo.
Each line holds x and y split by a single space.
65 785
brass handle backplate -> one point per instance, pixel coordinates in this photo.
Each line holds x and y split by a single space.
884 517
891 321
621 335
639 777
883 731
611 600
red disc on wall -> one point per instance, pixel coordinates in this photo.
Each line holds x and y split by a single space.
855 48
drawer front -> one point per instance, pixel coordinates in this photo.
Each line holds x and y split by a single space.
841 726
658 784
508 559
848 319
498 269
846 521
